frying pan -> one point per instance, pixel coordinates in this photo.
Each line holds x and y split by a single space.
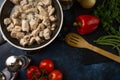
5 12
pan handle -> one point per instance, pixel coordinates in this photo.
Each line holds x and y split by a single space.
2 41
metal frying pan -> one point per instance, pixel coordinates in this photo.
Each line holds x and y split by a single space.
5 12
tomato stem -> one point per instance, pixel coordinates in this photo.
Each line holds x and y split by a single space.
43 75
77 24
34 76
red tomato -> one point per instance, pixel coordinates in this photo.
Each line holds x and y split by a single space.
56 75
33 73
43 79
46 64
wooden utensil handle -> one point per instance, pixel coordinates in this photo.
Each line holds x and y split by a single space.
104 53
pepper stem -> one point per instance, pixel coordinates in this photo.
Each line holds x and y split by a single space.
77 24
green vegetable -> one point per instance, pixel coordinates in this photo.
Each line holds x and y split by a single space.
87 3
109 12
111 40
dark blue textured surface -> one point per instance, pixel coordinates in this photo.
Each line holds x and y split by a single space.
68 61
71 61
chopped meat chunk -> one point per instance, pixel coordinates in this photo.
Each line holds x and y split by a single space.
42 11
23 42
52 18
23 2
51 10
15 1
23 16
16 14
38 40
46 33
41 17
41 27
16 21
20 35
32 40
17 28
41 34
26 7
19 8
53 26
33 24
25 25
7 21
46 2
27 37
40 4
17 35
46 22
35 32
30 16
31 10
10 27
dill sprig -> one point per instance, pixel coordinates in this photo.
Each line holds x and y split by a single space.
109 12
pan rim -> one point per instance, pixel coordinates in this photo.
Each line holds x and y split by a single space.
39 47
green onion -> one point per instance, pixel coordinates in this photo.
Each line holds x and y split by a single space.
110 40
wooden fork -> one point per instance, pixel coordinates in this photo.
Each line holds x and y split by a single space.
76 40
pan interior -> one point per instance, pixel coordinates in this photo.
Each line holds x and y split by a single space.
6 12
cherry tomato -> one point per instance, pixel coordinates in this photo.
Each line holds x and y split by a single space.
56 75
43 79
33 73
47 65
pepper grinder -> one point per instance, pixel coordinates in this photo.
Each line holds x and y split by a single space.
13 65
16 63
7 75
2 76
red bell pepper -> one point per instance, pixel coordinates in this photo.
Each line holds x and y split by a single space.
86 24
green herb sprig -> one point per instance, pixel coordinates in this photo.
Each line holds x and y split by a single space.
109 12
110 40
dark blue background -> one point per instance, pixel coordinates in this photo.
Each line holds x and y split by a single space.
75 64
